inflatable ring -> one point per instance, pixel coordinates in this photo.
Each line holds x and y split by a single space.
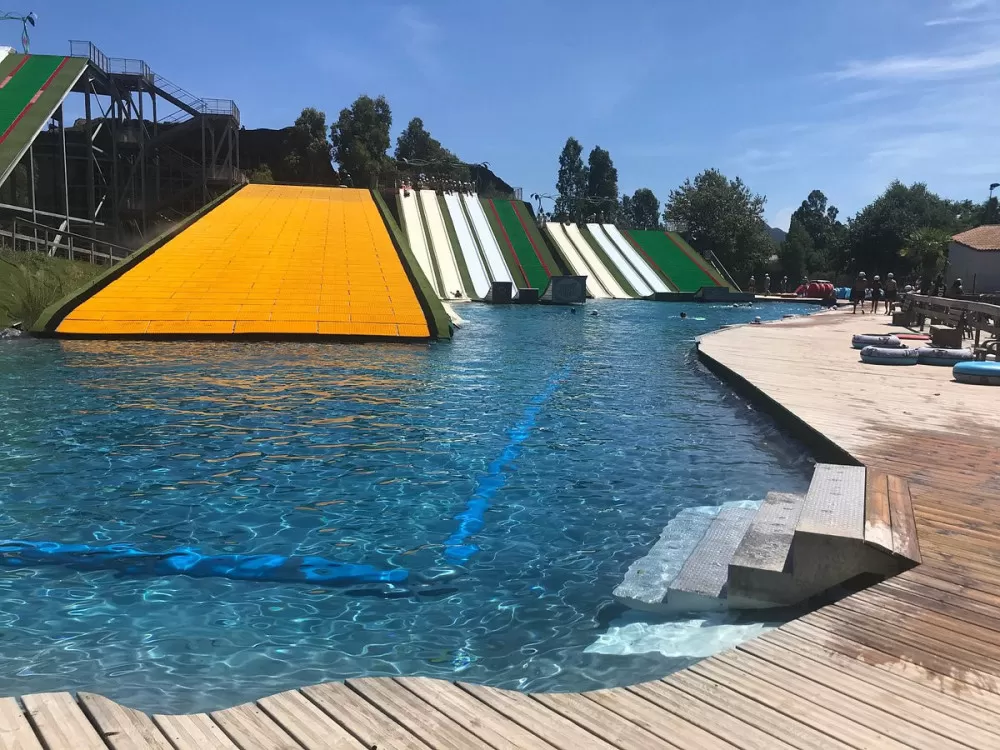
912 336
931 355
861 340
977 373
887 355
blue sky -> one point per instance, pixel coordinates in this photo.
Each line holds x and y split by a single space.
791 95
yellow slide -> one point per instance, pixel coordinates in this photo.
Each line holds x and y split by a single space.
269 260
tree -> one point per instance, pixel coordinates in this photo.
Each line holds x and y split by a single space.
826 233
722 217
262 175
308 157
795 251
641 210
360 139
416 144
602 186
927 249
571 183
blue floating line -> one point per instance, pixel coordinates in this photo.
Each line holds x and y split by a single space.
470 521
187 561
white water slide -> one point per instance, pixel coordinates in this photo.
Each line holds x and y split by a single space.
467 244
414 227
441 247
558 234
608 281
491 250
648 273
632 276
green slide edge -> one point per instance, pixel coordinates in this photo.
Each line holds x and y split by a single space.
608 263
41 111
437 319
54 314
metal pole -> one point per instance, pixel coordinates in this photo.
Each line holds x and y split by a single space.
91 187
204 168
62 133
142 163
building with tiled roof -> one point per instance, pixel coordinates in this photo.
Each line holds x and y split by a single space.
974 257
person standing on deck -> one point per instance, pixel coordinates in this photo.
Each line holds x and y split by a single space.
767 284
858 292
876 293
891 293
752 286
956 289
784 285
939 287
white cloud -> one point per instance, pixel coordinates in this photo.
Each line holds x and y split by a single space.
951 21
963 5
920 68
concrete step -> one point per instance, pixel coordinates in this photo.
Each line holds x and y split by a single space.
835 503
761 569
701 583
645 584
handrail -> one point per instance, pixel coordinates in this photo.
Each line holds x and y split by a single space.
112 252
714 260
976 316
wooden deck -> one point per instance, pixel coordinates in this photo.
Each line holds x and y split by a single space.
913 662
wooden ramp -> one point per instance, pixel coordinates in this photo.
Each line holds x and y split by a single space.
913 662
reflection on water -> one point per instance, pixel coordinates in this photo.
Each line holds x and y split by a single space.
361 454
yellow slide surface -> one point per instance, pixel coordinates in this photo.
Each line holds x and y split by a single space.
269 260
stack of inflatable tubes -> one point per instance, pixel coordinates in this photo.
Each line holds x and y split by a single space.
861 340
886 355
931 355
977 373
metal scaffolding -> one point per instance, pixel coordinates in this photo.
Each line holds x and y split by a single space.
142 154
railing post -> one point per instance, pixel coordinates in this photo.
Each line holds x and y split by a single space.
13 237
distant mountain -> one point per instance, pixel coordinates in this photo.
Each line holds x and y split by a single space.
778 235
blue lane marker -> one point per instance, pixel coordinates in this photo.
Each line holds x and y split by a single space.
470 521
187 561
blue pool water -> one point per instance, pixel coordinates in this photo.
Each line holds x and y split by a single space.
514 473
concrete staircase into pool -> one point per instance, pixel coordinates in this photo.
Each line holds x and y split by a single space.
792 547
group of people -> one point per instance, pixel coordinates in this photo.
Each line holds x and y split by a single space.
752 285
886 293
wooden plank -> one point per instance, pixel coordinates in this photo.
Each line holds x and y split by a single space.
790 731
848 707
122 728
918 691
537 719
489 725
361 718
15 731
193 732
252 729
903 710
878 522
673 729
904 530
784 701
307 723
60 723
600 721
420 717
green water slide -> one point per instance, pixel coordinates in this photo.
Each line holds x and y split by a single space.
697 257
685 270
31 89
514 235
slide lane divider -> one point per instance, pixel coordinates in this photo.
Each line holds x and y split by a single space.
576 262
653 281
440 248
467 242
14 71
449 228
409 209
590 256
617 266
491 249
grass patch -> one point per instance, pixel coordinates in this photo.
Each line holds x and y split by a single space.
30 282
